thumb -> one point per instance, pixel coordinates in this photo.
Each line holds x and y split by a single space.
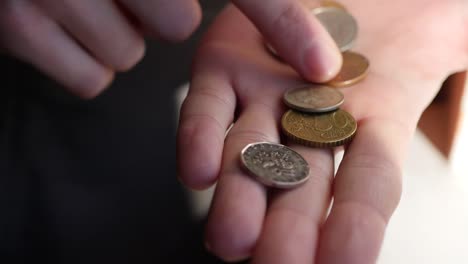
297 36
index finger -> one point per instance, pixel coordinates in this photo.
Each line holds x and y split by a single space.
297 36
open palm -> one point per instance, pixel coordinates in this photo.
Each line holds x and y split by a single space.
412 46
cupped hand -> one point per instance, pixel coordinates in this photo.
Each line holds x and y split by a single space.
83 43
412 47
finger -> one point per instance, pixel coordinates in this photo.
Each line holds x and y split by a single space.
205 116
30 35
239 204
291 229
172 20
296 35
101 28
367 189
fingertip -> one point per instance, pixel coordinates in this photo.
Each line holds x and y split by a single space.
91 84
322 61
132 53
176 22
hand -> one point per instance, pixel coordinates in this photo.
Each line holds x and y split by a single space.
412 46
83 43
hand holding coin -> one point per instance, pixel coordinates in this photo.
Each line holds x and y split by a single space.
238 81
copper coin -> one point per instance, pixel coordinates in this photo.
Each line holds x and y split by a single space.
319 130
314 99
341 26
327 3
355 68
275 165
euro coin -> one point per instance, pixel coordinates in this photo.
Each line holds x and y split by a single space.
314 99
275 165
341 26
325 130
354 69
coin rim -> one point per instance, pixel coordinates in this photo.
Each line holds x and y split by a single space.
310 143
282 185
353 81
309 109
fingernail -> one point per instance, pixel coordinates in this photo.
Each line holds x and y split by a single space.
322 61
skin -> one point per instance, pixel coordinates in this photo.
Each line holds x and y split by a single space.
82 44
412 46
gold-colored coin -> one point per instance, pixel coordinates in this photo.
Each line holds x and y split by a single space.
319 130
355 68
327 3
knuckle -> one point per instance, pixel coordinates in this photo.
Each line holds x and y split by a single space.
384 176
213 95
360 219
192 124
288 19
248 136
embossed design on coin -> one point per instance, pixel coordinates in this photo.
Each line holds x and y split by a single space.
354 69
319 130
275 165
314 99
340 24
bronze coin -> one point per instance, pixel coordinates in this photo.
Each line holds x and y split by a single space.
314 99
319 130
355 68
327 3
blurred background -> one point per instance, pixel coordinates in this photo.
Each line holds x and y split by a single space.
95 181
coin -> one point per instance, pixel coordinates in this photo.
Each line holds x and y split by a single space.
327 3
341 26
314 99
275 165
355 68
319 130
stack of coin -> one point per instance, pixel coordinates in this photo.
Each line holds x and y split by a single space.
343 29
315 118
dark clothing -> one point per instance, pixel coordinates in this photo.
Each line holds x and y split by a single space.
95 181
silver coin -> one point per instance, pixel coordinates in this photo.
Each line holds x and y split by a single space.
341 26
275 165
314 99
